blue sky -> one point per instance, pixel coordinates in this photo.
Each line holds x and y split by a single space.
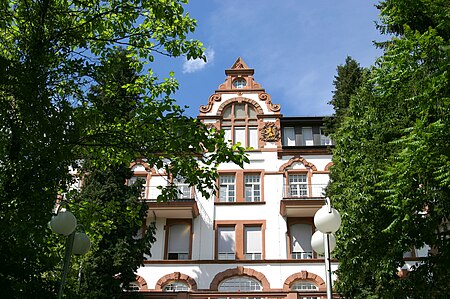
293 45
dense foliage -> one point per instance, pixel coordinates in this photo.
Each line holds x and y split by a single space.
61 102
391 177
349 78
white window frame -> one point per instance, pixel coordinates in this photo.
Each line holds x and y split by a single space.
308 136
252 187
240 284
297 185
178 254
183 189
300 238
324 140
227 190
229 231
289 136
253 242
176 286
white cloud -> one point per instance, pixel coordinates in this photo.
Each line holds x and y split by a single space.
194 65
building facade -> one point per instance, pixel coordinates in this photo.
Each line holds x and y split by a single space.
253 239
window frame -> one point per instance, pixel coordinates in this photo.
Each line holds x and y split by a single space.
328 139
218 245
307 174
255 187
239 228
226 197
177 283
252 281
240 186
169 223
294 221
248 123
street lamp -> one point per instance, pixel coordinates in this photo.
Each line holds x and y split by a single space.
327 220
63 222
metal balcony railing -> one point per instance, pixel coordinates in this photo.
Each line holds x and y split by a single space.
152 193
304 191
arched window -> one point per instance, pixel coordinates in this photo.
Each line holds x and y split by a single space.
176 286
240 284
240 124
304 285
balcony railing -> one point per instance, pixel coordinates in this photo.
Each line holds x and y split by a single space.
311 191
152 193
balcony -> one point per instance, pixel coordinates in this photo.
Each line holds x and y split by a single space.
302 200
185 207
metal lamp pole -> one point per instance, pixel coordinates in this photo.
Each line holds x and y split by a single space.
64 222
327 220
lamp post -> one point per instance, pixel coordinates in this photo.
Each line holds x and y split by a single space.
327 220
63 222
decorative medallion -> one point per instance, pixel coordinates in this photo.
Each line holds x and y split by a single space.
270 132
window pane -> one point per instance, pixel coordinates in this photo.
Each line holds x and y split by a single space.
239 136
227 188
253 137
289 136
298 186
252 187
253 242
226 243
227 134
307 136
251 112
240 284
304 286
239 111
179 239
324 140
176 286
301 241
227 112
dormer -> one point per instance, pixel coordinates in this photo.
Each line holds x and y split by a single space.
242 108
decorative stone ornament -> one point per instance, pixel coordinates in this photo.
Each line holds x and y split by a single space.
270 132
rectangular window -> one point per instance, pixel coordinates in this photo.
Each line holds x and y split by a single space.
179 241
324 140
184 190
300 234
252 187
298 186
226 243
227 191
307 136
288 136
253 242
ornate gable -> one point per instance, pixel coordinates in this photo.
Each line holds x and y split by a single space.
239 83
242 108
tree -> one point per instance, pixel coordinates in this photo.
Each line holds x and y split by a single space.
112 214
390 176
50 52
347 81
